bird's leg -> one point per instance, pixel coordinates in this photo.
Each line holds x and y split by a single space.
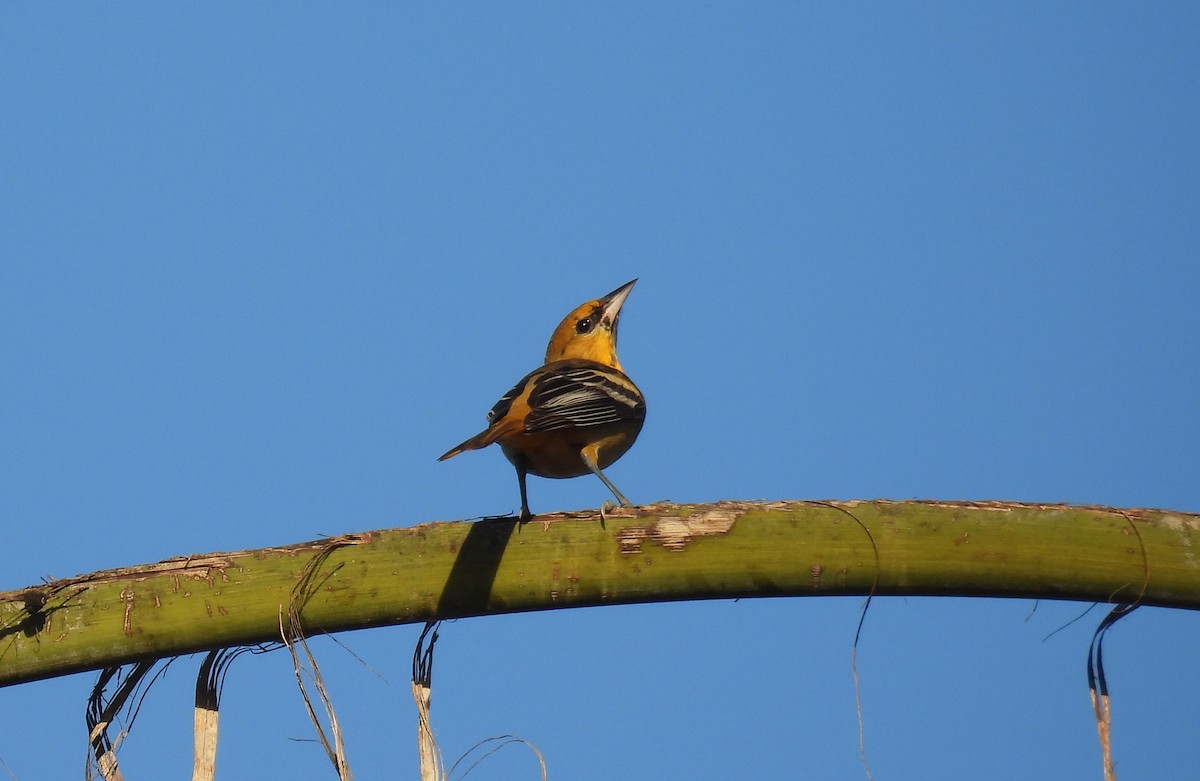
589 461
525 514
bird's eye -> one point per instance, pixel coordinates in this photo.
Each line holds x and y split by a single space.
583 326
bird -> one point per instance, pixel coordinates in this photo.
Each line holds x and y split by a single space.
577 413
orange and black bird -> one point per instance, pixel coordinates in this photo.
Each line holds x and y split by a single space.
576 414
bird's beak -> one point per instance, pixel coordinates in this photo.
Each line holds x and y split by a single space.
613 302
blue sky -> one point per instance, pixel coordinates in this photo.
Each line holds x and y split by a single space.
262 264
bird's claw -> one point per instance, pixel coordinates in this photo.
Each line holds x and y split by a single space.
605 509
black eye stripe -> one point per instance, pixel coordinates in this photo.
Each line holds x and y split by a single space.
590 321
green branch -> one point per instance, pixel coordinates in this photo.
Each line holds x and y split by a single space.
653 553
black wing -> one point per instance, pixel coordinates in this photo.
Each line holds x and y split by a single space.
575 395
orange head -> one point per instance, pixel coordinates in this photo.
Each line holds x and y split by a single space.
590 331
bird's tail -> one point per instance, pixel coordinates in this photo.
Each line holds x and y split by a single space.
482 439
474 443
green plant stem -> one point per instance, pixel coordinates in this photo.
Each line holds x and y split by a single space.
646 554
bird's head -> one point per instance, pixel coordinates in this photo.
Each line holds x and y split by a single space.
590 331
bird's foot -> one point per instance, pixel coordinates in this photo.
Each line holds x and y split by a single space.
605 509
